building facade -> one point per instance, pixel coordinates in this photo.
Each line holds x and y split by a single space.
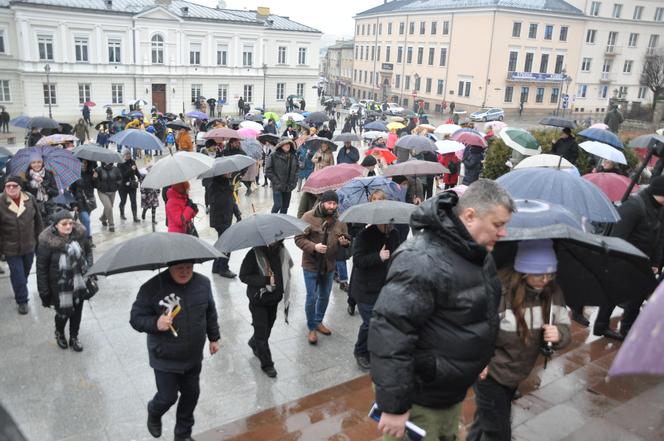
339 61
168 53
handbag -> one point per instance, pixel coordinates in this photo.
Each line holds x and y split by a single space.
91 287
190 228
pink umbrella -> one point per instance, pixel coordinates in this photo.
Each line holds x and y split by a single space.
248 132
468 137
497 126
223 133
333 177
599 126
612 185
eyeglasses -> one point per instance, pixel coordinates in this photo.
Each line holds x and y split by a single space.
65 223
545 276
12 186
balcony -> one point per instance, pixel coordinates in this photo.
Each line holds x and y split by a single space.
607 77
612 50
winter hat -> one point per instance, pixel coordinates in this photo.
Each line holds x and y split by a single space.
656 187
329 196
368 161
286 141
536 257
125 151
61 215
567 131
15 179
181 187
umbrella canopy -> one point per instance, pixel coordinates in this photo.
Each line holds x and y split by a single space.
343 137
254 118
377 126
449 146
446 129
41 122
555 121
178 125
89 103
592 269
317 118
56 139
386 154
65 167
406 113
314 143
332 177
222 133
10 430
642 352
374 134
253 125
139 139
416 143
397 118
391 126
599 126
93 152
228 164
259 230
252 148
358 190
379 212
20 121
139 102
269 138
427 127
5 153
178 167
520 140
544 160
612 185
533 213
604 151
271 115
152 251
496 126
470 137
416 167
297 117
136 114
198 115
644 141
572 192
246 132
604 136
103 123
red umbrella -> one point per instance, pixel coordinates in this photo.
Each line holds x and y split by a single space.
386 154
89 103
469 138
224 133
612 185
332 177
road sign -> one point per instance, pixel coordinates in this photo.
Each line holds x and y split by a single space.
565 101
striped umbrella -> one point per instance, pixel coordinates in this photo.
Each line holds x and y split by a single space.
520 140
56 139
65 166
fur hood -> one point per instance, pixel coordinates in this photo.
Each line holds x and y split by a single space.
51 239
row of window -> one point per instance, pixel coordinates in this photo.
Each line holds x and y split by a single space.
525 94
512 64
532 31
364 53
612 40
586 65
603 91
424 27
637 13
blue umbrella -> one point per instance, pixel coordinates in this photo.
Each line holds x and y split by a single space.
358 191
65 166
198 115
533 213
136 114
376 125
605 136
559 187
139 139
20 121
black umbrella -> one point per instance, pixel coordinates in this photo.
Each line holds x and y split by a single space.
208 125
644 141
177 125
255 118
416 167
66 128
592 269
152 251
269 138
343 137
104 123
416 143
170 116
93 152
259 230
41 122
555 121
9 430
124 117
228 164
407 113
379 212
314 143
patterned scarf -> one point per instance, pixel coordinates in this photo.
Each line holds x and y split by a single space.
71 283
37 182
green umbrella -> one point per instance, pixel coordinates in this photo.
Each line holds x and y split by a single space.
520 140
271 115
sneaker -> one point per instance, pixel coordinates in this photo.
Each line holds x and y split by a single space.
75 344
23 308
363 362
227 274
270 371
154 426
312 338
610 334
323 330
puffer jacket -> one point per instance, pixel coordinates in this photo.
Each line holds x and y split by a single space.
179 213
472 163
433 332
314 234
108 179
281 168
19 225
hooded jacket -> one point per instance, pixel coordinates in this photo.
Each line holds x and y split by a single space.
472 162
281 168
641 225
433 331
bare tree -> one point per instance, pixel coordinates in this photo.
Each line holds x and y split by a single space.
653 75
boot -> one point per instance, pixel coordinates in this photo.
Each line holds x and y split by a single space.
136 219
61 340
143 214
154 426
223 270
122 216
270 371
75 344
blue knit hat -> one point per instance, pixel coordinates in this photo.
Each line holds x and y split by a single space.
536 257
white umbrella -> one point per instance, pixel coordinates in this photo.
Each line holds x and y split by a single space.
373 134
449 146
446 129
140 102
252 125
179 167
604 151
544 160
292 115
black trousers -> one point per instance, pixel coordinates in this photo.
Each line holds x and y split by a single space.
5 126
262 319
221 263
493 417
631 312
169 384
73 316
428 187
124 193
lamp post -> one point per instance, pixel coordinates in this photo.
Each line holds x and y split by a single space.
47 69
560 93
264 75
568 81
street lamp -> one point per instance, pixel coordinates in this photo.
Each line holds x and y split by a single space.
47 69
264 75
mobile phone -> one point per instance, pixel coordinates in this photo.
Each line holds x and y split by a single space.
413 431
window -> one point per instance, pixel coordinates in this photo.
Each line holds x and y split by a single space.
560 59
528 64
83 93
222 94
222 55
642 92
582 91
114 51
45 43
548 32
411 27
302 55
117 93
511 65
652 43
299 89
622 91
373 52
49 94
409 55
157 49
380 28
617 10
366 52
516 29
373 29
423 27
544 63
603 91
399 54
196 92
362 29
659 14
2 42
281 55
606 68
354 74
464 88
638 10
434 27
532 30
81 49
525 92
633 40
387 53
361 52
585 64
539 96
590 36
247 56
195 53
417 82
555 93
440 87
443 56
248 93
377 53
627 67
406 83
509 94
280 91
428 85
420 55
594 8
432 55
389 28
563 33
397 81
5 96
357 31
402 28
446 27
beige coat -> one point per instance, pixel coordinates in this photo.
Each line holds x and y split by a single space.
322 159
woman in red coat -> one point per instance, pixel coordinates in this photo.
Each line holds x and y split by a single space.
180 210
453 164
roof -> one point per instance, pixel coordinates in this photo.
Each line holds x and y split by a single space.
196 11
406 6
345 44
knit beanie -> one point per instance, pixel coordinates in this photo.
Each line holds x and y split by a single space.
536 257
656 187
368 161
329 196
15 179
61 215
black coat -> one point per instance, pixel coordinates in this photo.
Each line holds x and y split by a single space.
251 276
33 138
220 197
196 321
129 174
641 225
435 323
472 162
281 169
567 148
108 181
369 271
49 184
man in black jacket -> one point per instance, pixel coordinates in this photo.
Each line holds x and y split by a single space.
566 146
176 341
433 332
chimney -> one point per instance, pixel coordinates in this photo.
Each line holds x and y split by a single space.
185 10
109 4
262 13
221 4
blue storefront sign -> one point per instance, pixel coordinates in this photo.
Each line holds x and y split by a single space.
535 76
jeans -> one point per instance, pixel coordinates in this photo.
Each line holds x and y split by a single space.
19 269
365 310
107 200
262 319
318 296
84 216
131 192
342 271
168 386
493 417
281 201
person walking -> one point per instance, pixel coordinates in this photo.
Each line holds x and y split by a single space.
614 118
266 272
86 114
221 201
323 157
4 120
319 245
41 184
81 131
84 193
305 164
20 226
240 106
270 127
452 107
348 154
130 180
302 104
473 157
180 209
566 146
176 361
281 168
426 353
63 257
107 180
149 201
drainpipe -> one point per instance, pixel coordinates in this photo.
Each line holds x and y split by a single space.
488 65
133 43
373 78
404 57
449 58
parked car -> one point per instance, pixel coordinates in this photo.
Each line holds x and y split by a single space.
492 114
393 109
356 108
348 101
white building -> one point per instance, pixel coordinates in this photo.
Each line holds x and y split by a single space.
165 52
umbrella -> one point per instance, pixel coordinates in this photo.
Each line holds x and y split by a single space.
397 118
271 115
407 113
177 125
343 137
416 167
314 143
139 102
358 190
259 230
228 164
136 114
599 126
386 154
152 251
592 269
604 136
604 151
41 122
223 133
209 124
391 126
252 148
248 133
65 199
376 125
644 141
89 103
533 213
10 430
416 143
544 160
139 139
103 123
254 118
196 114
56 139
446 129
642 352
170 116
379 212
612 185
251 125
268 138
178 167
20 121
520 140
449 146
118 117
428 127
5 153
93 152
555 121
469 137
65 167
573 193
292 115
332 177
373 134
497 126
317 118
